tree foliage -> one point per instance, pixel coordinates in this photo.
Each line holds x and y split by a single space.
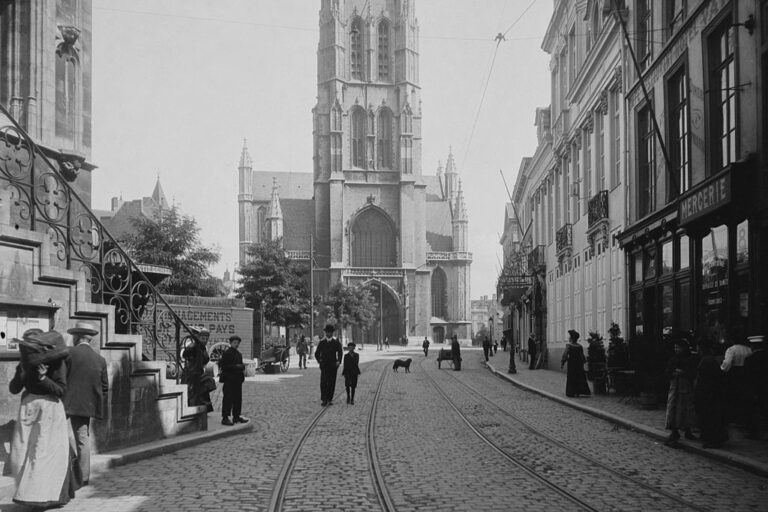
172 239
349 305
283 284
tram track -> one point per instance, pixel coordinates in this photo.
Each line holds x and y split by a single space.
552 441
278 499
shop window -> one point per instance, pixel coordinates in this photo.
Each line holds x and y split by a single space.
638 267
684 305
667 311
714 275
685 252
637 311
666 257
742 243
649 272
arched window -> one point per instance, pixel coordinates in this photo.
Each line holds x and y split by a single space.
373 240
384 142
356 48
406 117
336 117
358 122
384 50
439 294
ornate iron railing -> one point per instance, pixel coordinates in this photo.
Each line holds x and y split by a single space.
537 258
597 208
564 238
42 200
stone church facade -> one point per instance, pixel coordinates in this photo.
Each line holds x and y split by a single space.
366 210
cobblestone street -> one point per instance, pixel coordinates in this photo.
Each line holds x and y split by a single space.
526 453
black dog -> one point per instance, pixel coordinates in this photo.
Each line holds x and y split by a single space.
402 363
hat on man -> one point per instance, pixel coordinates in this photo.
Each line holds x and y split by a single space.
574 334
43 348
351 344
198 330
330 328
83 328
235 337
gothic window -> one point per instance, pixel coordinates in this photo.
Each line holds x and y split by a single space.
407 120
439 288
370 140
356 48
384 50
358 121
373 240
336 118
384 142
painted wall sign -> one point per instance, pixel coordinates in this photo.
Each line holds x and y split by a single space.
705 199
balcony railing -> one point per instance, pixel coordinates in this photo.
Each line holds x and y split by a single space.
537 258
564 238
449 256
42 200
597 208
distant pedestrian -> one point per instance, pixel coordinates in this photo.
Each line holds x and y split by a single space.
41 457
681 372
486 348
576 382
532 351
456 353
328 355
425 346
495 346
709 395
386 343
351 371
195 356
301 350
232 376
736 380
504 344
87 387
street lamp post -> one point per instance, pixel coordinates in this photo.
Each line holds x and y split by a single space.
263 303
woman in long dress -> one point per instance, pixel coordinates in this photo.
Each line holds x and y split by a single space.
576 381
41 453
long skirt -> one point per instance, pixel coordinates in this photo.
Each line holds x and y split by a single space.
680 409
41 453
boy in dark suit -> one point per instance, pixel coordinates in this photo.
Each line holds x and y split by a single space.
351 371
87 384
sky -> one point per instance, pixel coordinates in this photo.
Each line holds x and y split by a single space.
179 84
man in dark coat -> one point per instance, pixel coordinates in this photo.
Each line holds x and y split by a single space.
532 351
87 385
195 356
456 353
328 355
232 376
425 346
486 348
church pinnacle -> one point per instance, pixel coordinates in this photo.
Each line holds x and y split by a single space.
460 209
245 157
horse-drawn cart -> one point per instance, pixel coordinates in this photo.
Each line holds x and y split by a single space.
275 355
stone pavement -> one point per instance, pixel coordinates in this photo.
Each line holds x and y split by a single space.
748 454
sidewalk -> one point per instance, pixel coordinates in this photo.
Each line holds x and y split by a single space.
739 451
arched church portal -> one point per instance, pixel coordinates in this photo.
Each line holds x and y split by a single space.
388 321
373 240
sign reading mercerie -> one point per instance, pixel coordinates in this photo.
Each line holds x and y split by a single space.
705 199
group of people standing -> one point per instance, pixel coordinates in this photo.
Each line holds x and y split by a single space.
61 388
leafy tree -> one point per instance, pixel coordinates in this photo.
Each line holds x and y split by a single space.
349 305
172 239
272 277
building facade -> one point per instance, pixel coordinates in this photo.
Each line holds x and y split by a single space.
372 216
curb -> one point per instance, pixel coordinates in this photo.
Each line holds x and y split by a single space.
723 456
105 461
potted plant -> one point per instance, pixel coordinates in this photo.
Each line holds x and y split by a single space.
596 360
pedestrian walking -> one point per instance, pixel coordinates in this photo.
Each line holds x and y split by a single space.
301 350
486 348
42 446
456 353
532 351
495 346
710 396
350 371
232 375
328 355
576 381
681 372
87 387
736 380
386 343
757 382
425 346
195 358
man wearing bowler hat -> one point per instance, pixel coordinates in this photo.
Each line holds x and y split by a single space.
87 385
232 376
328 355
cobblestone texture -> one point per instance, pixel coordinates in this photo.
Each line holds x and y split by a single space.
429 458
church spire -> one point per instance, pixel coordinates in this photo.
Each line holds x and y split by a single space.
245 157
460 223
275 215
451 177
159 196
460 209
